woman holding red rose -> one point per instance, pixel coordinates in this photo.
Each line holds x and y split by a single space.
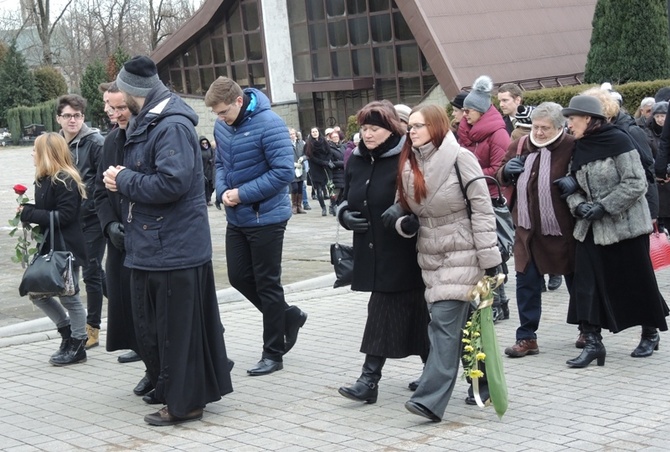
58 188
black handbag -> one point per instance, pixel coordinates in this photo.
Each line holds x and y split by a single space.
50 274
504 223
342 258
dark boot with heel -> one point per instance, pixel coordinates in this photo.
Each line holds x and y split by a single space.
74 353
648 343
593 350
65 333
366 387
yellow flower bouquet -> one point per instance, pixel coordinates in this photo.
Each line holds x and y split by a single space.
481 346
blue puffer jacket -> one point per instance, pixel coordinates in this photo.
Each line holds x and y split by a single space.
255 157
163 205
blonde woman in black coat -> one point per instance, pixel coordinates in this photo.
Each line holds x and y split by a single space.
58 188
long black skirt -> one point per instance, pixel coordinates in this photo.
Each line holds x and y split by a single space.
120 324
397 325
615 286
180 336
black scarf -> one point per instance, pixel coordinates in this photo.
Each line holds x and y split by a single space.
243 110
390 143
607 141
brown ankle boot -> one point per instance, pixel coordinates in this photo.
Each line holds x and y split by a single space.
93 336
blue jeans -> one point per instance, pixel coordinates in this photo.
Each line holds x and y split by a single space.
75 310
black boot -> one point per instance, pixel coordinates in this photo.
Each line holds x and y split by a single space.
366 389
65 333
504 305
593 349
648 343
73 354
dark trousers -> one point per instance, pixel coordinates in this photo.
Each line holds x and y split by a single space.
92 270
254 255
529 300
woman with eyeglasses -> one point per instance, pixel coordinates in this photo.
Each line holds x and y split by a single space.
455 250
59 188
385 263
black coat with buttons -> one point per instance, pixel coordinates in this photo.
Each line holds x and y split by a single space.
383 260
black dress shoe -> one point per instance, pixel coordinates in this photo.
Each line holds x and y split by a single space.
265 366
417 408
143 387
555 282
414 384
150 398
292 329
163 417
129 357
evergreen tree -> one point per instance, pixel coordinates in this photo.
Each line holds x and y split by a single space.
629 42
50 83
115 62
17 85
94 74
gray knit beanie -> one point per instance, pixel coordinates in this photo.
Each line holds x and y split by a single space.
138 76
479 98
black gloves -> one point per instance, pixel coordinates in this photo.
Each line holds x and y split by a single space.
493 271
512 169
596 212
582 209
410 224
116 235
331 165
568 185
391 215
353 221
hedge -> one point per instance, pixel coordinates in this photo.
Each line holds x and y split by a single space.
19 117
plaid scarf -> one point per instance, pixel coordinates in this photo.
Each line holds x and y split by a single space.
548 220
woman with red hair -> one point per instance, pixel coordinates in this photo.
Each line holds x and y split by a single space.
455 249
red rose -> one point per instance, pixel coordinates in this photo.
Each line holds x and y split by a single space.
20 189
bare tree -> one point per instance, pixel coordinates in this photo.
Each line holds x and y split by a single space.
41 15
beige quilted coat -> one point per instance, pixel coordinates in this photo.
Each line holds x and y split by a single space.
453 251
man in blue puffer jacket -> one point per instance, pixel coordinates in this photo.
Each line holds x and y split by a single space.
254 168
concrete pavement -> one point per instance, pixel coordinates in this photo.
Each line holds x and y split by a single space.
619 407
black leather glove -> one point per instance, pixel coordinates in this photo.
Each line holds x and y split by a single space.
493 271
410 224
596 212
513 168
582 209
116 235
353 221
568 185
391 215
331 165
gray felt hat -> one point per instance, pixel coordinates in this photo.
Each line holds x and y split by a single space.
584 106
138 76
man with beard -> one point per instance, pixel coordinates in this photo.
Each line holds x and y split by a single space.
168 248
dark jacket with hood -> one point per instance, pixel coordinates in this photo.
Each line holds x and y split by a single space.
86 150
164 210
256 157
207 159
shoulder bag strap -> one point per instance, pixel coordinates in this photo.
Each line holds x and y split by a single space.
519 146
460 182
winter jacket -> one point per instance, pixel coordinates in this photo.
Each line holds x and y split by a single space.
207 156
65 199
108 203
626 123
337 157
383 260
299 161
318 152
86 149
552 254
164 210
255 157
619 184
454 250
488 140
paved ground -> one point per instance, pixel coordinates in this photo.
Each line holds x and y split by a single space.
621 406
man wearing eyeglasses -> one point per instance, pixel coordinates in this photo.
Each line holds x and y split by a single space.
86 147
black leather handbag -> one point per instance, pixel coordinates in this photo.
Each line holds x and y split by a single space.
49 274
342 258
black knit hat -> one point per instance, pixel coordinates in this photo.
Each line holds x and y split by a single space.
138 76
458 100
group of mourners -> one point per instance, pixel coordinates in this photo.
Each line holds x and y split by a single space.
580 185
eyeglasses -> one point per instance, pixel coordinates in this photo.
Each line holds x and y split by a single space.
68 116
416 126
222 114
118 110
